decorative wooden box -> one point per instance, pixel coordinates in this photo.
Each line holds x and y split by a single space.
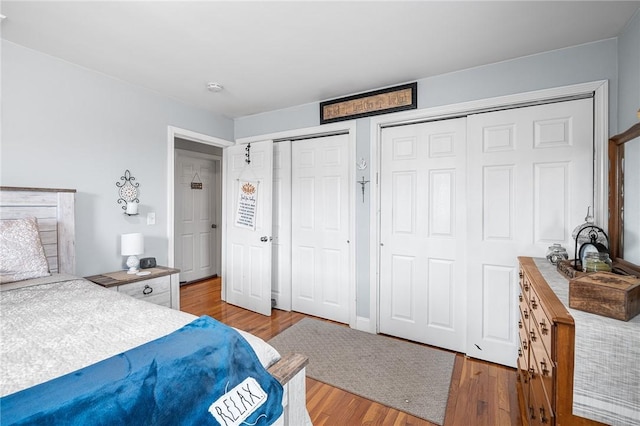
607 294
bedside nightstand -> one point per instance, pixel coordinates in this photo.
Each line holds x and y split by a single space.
161 286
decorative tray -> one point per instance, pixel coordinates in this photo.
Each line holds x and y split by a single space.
567 269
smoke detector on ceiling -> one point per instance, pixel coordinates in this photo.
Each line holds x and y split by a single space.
214 87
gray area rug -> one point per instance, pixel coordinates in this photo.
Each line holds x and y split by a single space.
406 376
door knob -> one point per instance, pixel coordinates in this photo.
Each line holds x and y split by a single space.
214 226
264 239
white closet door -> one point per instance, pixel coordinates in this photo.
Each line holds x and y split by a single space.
320 227
530 183
247 256
423 233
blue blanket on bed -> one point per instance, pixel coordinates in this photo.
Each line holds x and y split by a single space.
202 374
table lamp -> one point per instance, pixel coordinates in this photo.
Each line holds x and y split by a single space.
132 245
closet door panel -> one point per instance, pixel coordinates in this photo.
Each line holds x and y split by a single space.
530 183
423 221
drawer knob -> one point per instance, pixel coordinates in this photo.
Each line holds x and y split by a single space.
526 314
519 352
520 298
534 304
543 367
147 290
543 418
526 286
543 327
533 336
519 324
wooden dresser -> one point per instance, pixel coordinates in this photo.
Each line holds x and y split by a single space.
546 353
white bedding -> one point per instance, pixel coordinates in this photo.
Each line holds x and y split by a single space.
55 325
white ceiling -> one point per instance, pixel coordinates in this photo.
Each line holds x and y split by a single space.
270 55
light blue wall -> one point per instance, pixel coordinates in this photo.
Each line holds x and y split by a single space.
64 126
580 64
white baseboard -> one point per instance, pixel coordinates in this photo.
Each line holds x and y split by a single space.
366 325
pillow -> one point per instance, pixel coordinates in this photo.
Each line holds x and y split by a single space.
21 253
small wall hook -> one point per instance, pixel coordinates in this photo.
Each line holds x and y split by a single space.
362 164
247 155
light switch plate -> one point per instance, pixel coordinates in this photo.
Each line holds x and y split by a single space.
151 218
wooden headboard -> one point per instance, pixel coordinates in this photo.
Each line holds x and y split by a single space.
55 211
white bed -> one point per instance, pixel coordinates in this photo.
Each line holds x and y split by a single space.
53 325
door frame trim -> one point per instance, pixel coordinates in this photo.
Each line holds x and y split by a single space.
599 90
348 127
172 133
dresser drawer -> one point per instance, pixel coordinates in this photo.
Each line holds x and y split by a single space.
540 341
523 351
525 285
541 321
523 378
543 371
155 290
539 409
544 364
523 332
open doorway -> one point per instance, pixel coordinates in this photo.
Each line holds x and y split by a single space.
198 159
197 210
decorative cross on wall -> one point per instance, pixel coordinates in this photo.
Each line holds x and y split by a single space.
362 184
362 165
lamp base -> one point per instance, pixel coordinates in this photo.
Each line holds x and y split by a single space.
132 263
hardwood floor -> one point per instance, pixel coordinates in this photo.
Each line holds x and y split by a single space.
481 393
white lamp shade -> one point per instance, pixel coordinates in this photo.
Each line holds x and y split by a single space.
132 244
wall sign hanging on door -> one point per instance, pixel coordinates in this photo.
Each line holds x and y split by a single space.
196 183
247 205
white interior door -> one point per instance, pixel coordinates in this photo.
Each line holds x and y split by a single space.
530 183
281 274
320 253
423 233
195 226
247 256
